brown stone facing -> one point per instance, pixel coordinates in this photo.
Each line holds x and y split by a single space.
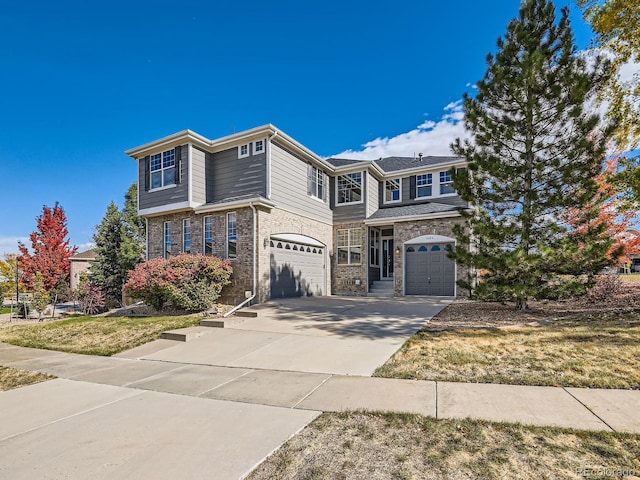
344 277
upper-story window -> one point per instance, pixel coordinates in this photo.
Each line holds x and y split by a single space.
392 190
186 235
208 235
424 184
317 183
446 184
243 150
258 147
350 188
163 169
232 236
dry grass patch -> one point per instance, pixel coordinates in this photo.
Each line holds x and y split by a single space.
599 351
13 378
93 335
394 446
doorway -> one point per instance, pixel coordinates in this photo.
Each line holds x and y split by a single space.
386 266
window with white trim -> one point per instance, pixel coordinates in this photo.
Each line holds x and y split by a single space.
350 188
208 235
167 240
232 236
349 248
258 147
424 185
392 190
162 167
446 184
243 150
186 235
317 183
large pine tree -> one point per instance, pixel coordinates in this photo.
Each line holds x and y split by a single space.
532 156
119 247
50 249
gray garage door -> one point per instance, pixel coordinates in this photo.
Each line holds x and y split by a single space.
428 270
297 270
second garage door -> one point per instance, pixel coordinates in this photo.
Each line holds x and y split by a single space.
297 269
428 270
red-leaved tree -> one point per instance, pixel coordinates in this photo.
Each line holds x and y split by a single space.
50 250
611 212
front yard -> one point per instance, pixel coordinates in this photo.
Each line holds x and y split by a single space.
370 446
93 335
13 378
600 350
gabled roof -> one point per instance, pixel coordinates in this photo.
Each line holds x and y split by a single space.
393 164
412 210
86 255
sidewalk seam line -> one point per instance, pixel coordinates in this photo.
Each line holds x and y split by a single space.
225 383
88 410
592 412
150 377
316 388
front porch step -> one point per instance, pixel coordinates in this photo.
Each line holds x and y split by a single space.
381 288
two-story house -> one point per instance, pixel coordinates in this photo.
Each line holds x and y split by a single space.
296 224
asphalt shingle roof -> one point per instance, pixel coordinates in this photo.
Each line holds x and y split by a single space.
392 164
412 210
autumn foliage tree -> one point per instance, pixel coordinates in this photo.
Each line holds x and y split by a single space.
50 249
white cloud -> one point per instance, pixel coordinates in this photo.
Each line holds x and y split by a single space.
10 244
429 138
86 246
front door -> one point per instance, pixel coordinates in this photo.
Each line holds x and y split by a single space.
387 258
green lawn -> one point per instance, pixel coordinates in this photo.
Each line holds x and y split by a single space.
93 335
597 351
6 310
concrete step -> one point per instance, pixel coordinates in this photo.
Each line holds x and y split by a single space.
221 322
246 313
380 294
183 334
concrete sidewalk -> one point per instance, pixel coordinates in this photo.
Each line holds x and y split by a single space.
589 409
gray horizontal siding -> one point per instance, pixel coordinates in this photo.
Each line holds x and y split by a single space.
372 194
158 198
289 186
229 176
198 187
351 212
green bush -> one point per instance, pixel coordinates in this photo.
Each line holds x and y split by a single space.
189 282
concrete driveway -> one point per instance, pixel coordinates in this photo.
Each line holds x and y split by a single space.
332 335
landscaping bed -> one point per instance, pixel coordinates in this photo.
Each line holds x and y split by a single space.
381 446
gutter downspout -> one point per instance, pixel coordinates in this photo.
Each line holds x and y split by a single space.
255 265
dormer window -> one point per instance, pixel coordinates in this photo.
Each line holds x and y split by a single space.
258 147
162 167
243 150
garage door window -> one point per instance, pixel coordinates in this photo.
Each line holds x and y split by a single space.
349 246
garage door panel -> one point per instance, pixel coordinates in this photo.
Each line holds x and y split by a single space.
429 271
296 271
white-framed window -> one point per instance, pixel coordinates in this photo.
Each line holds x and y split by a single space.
243 150
350 188
162 168
207 240
232 236
392 190
317 187
349 246
167 240
186 235
374 248
446 184
258 147
424 185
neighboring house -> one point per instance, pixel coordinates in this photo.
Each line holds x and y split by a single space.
80 263
293 223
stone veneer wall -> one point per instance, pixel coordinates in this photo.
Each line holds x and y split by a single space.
272 222
242 278
345 277
405 231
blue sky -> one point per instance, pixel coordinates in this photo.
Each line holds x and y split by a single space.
83 81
